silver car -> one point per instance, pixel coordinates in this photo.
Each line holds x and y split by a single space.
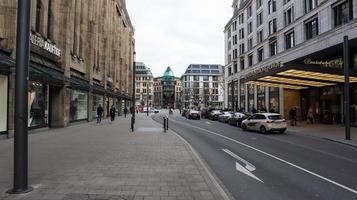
265 122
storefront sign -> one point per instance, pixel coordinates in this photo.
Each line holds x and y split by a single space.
337 63
263 69
43 44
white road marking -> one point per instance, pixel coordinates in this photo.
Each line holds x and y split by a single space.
247 169
208 123
275 157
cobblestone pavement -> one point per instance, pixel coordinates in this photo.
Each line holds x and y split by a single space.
108 162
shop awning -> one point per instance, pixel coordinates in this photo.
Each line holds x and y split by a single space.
298 77
47 75
98 89
77 83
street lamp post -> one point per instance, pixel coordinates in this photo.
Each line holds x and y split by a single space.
133 95
347 102
21 88
147 99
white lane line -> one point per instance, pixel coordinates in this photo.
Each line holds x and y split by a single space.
247 169
208 123
275 157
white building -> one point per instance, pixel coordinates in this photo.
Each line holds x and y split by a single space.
281 54
203 86
143 86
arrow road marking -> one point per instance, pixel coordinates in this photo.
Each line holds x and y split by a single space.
247 169
272 156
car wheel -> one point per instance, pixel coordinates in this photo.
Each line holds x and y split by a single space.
263 130
282 131
244 127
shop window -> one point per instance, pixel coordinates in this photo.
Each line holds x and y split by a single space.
97 100
261 99
242 96
251 98
78 105
3 102
274 100
37 105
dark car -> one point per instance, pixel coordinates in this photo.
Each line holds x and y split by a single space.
225 117
237 118
213 115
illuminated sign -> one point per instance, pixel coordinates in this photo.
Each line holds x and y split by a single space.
43 44
337 63
263 69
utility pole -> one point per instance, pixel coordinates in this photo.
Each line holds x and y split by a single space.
346 58
21 119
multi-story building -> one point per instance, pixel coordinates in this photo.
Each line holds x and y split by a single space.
167 90
81 56
203 86
144 83
289 53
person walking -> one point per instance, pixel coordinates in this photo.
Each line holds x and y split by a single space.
310 116
99 113
112 113
292 116
125 111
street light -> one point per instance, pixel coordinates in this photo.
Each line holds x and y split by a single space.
346 58
133 95
21 119
147 99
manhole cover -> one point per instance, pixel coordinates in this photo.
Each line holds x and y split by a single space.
97 197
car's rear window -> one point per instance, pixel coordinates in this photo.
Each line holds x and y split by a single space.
275 117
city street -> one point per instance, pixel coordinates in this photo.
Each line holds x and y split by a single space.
274 166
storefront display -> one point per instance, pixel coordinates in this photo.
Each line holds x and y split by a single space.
250 98
261 99
3 102
78 105
97 100
354 105
274 99
37 105
242 96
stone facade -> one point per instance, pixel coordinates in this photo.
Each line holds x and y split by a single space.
94 40
144 81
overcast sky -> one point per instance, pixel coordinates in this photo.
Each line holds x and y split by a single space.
177 33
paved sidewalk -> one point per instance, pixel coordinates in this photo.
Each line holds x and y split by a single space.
107 161
330 132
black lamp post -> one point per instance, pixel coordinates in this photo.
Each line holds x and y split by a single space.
21 89
133 95
347 102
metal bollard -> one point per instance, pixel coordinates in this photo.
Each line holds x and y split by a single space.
167 124
164 124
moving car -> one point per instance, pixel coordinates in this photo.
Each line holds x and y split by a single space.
237 118
214 114
193 114
265 122
225 117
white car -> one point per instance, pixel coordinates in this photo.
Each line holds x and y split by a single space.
265 122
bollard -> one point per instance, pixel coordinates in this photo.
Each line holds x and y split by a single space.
167 124
164 124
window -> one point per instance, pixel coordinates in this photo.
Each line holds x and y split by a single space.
272 6
241 18
235 40
286 1
241 49
272 26
311 29
235 53
38 15
235 67
249 11
250 60
229 71
259 3
260 54
241 33
215 78
260 36
229 45
196 78
250 44
250 28
289 16
259 19
205 78
341 14
289 40
310 4
273 48
241 63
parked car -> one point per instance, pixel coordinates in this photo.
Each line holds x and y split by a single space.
237 118
225 117
214 114
265 122
205 113
193 114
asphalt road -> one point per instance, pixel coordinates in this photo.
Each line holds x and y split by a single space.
253 166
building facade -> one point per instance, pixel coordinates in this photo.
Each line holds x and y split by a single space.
167 90
144 85
203 86
81 56
285 54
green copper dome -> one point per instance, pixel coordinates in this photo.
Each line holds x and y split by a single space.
168 73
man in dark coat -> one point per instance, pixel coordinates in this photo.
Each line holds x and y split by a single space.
99 113
112 113
125 111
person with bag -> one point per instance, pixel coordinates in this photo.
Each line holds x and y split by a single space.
112 113
99 114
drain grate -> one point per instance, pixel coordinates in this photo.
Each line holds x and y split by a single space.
97 197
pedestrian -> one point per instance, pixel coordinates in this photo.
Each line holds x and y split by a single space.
310 116
112 113
292 116
125 111
272 110
99 113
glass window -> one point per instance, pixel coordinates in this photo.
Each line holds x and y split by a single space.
273 48
289 40
78 105
97 100
250 60
259 19
260 36
260 55
272 26
250 98
289 16
249 11
341 14
3 102
242 96
310 4
274 100
272 6
215 78
37 104
311 29
261 99
196 78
